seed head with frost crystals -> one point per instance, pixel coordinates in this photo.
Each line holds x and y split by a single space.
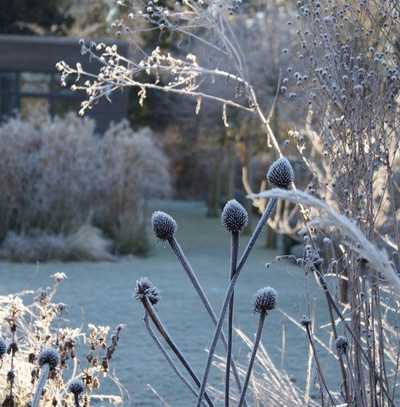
280 173
265 300
50 357
341 345
164 225
146 289
234 216
76 387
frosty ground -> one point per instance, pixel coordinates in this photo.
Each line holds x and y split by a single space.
102 293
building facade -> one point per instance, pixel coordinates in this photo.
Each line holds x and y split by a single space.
29 79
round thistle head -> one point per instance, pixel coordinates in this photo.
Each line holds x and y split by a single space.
234 217
76 387
265 300
146 289
341 345
3 347
164 225
281 173
50 357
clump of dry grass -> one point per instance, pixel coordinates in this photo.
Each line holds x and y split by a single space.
28 322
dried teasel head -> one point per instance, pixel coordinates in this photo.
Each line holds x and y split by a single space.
164 225
49 356
234 216
76 387
265 300
280 173
146 289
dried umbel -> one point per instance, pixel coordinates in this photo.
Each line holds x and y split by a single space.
281 174
50 357
164 225
76 387
146 289
341 345
234 216
265 300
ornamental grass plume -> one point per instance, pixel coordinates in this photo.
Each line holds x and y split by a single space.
165 227
280 174
265 300
148 295
235 218
48 361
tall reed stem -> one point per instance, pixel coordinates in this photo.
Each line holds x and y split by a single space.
44 374
177 249
253 357
234 256
164 333
265 216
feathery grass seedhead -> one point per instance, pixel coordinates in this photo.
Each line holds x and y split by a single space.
341 345
145 288
164 225
49 356
265 300
280 173
76 387
234 216
3 347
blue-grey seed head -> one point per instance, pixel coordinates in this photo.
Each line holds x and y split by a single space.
49 356
280 173
341 345
164 225
234 216
76 386
3 347
265 300
146 289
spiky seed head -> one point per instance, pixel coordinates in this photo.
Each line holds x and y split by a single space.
49 356
164 225
265 300
234 217
3 347
76 387
146 289
280 173
341 345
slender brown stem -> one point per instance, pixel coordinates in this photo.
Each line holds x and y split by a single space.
164 333
253 357
234 255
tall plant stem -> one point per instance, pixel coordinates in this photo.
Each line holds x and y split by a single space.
164 333
320 371
166 355
44 374
177 249
234 256
266 214
252 357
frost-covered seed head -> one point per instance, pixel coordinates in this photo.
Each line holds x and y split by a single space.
341 345
146 289
265 300
234 217
3 347
164 225
76 387
280 173
49 356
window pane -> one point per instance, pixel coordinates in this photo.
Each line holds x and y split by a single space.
35 82
8 93
8 82
61 106
34 105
